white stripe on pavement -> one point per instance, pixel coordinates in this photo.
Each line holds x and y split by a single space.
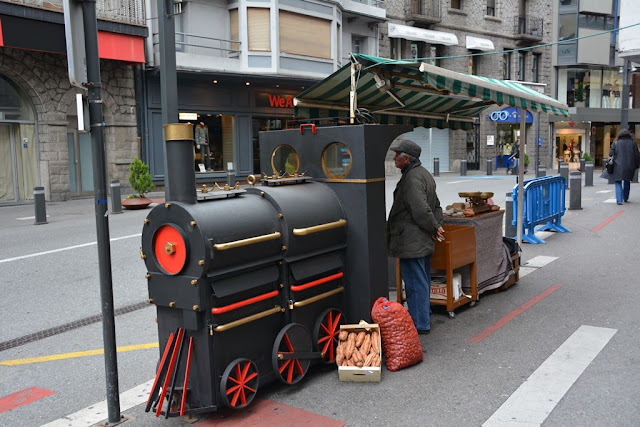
26 218
535 263
456 182
534 400
604 191
98 412
65 249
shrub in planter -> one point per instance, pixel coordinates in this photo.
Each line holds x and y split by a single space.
140 178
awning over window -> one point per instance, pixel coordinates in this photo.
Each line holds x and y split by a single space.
476 43
418 94
422 35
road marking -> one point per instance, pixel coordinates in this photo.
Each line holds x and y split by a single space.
98 412
611 201
22 397
75 354
515 313
26 218
535 263
456 182
617 214
534 400
68 248
604 191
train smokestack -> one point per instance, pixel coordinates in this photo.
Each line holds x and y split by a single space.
179 148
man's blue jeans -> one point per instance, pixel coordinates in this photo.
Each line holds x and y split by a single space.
622 191
416 273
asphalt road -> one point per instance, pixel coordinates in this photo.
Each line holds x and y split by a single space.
589 279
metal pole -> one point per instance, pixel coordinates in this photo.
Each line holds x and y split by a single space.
537 144
168 75
101 205
624 111
523 135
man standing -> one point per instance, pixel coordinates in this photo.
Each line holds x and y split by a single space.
515 157
415 222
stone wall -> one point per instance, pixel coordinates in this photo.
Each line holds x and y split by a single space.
44 79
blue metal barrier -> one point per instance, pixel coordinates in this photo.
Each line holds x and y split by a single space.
544 203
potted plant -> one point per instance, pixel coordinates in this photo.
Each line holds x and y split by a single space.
140 180
526 161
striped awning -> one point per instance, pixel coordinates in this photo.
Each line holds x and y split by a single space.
418 94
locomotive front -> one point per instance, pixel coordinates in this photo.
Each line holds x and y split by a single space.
248 285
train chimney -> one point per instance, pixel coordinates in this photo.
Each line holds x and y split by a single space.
181 178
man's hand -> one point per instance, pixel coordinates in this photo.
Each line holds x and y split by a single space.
439 236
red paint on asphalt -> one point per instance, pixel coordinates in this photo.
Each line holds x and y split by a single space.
515 313
263 412
608 221
22 397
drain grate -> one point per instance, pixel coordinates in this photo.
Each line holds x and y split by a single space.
16 342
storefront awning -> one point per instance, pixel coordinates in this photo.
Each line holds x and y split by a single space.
422 35
476 43
418 94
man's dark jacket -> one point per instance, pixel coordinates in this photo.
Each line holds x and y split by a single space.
625 157
415 215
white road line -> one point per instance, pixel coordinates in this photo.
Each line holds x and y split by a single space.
84 245
534 400
604 191
611 200
456 182
25 218
540 261
95 413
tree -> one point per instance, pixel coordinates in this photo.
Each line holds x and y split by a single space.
140 178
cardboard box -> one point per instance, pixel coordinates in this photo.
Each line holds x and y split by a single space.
364 374
439 289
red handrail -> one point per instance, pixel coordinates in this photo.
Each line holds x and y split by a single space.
313 127
316 282
244 303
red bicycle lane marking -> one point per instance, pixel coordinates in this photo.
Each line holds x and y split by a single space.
515 313
608 220
22 397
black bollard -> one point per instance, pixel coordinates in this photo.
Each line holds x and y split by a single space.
588 174
582 162
542 171
575 192
436 166
509 229
116 202
463 167
39 205
564 172
231 175
489 167
635 176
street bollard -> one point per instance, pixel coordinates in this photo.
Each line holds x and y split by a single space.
463 167
231 175
575 192
635 176
489 167
588 174
116 202
564 172
39 205
542 171
509 228
582 162
436 166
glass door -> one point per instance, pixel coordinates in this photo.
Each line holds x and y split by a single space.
8 188
80 163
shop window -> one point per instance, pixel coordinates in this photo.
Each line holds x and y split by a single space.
259 33
304 35
336 160
215 138
285 160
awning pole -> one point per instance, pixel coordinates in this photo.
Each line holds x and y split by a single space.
523 135
353 101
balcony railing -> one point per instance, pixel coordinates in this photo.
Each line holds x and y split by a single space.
528 28
428 11
123 11
201 45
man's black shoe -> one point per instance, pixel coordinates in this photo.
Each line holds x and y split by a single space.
425 332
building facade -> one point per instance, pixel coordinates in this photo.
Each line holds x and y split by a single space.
589 77
40 144
240 63
492 38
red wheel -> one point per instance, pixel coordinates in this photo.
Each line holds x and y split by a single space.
170 249
292 338
325 334
239 383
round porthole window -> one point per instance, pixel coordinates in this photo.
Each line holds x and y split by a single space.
336 160
285 160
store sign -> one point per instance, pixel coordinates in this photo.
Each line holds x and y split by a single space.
269 100
510 115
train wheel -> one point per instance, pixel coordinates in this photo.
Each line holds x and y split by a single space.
292 338
325 334
239 383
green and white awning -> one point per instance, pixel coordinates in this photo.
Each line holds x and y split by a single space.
418 94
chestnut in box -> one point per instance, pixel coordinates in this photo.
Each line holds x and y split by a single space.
366 373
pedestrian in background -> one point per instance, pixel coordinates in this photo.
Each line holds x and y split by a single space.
626 160
415 222
515 157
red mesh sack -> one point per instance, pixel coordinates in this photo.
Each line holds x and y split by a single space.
400 342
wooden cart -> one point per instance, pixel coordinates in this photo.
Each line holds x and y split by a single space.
457 250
